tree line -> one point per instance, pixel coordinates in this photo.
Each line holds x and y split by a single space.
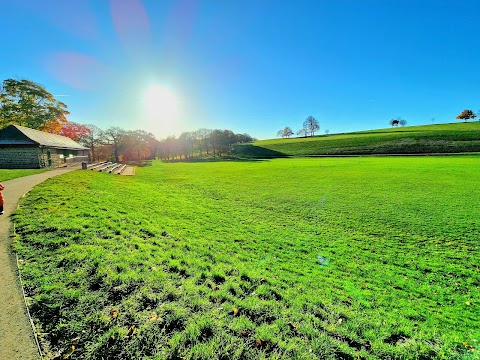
25 103
200 143
121 145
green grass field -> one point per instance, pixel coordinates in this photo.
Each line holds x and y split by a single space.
6 174
338 258
444 138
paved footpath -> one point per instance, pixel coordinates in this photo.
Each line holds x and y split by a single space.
16 337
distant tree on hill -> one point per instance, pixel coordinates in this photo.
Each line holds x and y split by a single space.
402 122
302 132
394 122
311 125
466 115
285 133
327 132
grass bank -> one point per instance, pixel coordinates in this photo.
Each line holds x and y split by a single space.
427 139
7 174
346 258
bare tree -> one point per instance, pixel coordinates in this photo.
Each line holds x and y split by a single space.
92 140
302 132
113 136
287 132
311 125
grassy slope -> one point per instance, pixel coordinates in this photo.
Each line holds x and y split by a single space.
220 260
6 174
446 138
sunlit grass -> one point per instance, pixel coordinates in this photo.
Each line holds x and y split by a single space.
292 258
6 174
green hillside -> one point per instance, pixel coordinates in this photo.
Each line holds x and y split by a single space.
426 139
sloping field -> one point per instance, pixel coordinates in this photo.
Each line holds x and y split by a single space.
446 138
338 258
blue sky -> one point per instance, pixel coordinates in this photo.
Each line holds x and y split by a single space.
248 66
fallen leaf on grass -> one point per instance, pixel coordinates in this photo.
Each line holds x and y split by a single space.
114 314
132 330
111 340
235 311
69 352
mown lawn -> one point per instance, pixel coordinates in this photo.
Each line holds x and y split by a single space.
7 174
444 138
350 258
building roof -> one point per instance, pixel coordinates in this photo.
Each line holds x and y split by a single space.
21 135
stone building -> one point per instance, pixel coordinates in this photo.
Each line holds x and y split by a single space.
25 148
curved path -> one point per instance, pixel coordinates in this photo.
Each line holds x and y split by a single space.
16 338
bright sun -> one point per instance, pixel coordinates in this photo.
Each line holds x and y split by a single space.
162 107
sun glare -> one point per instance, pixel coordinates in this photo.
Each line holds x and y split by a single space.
162 107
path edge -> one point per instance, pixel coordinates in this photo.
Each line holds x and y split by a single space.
13 234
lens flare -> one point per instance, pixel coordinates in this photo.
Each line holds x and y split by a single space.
162 108
77 70
131 22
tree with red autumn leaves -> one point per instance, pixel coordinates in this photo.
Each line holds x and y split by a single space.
74 131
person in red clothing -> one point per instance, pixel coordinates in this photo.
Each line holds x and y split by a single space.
1 199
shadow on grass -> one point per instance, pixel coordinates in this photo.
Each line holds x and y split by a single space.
252 151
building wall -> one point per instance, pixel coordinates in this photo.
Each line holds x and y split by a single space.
35 158
19 158
51 157
60 157
81 156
